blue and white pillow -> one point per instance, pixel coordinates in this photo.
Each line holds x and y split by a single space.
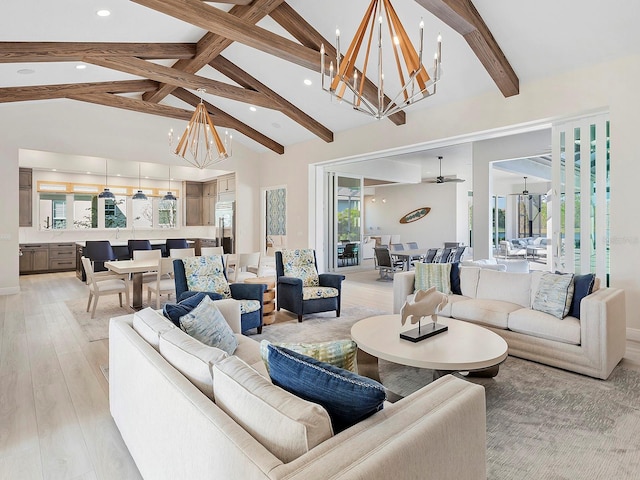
347 397
206 324
173 311
554 294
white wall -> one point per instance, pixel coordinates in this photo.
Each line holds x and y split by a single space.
432 231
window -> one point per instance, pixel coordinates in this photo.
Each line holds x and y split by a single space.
115 212
53 211
167 213
78 206
85 211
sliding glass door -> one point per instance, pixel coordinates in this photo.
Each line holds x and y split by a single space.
344 220
580 201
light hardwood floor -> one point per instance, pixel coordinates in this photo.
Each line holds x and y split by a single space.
54 412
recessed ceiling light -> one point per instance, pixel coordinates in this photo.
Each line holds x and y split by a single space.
103 13
146 177
54 169
275 125
253 109
307 81
26 71
88 173
118 175
82 66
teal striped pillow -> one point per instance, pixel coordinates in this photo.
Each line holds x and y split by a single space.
433 275
554 295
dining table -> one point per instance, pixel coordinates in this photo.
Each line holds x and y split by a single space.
407 255
136 268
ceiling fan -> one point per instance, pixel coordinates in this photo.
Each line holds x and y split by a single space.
441 179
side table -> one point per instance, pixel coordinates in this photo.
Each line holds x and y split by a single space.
269 298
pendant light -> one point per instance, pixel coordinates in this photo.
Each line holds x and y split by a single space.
139 194
169 195
106 193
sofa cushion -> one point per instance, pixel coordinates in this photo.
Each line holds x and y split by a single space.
505 286
554 294
150 325
429 275
286 425
173 311
469 280
582 286
494 313
314 293
339 353
347 397
248 349
191 358
543 325
206 324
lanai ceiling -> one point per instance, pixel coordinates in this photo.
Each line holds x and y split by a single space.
151 55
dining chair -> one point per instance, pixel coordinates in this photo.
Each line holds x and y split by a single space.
104 283
245 260
396 247
99 251
134 245
182 252
431 255
164 284
385 263
148 255
204 251
444 255
173 243
415 258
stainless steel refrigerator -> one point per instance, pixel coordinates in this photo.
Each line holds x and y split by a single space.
226 223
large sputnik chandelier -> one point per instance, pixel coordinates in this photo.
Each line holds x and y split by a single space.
416 83
200 145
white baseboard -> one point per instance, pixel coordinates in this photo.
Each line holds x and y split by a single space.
633 334
9 291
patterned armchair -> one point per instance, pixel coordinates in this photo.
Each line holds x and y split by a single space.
207 274
299 287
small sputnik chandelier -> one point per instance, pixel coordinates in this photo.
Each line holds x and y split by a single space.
414 80
200 144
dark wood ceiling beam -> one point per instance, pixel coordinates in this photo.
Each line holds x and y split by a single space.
235 2
236 29
241 77
462 16
140 106
212 45
308 36
222 118
12 52
160 73
47 92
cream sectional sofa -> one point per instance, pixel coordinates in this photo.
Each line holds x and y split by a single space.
174 429
501 301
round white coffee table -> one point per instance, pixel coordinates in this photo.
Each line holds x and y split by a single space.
464 347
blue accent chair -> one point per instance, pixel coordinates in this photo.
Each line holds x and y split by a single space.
239 291
289 291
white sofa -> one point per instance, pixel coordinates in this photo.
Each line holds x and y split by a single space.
173 430
501 301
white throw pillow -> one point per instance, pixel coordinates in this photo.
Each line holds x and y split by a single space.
286 425
191 358
150 325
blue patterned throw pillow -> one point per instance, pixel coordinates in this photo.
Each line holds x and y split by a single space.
347 397
173 311
554 295
206 324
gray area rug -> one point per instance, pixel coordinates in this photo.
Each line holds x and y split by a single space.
97 328
542 422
